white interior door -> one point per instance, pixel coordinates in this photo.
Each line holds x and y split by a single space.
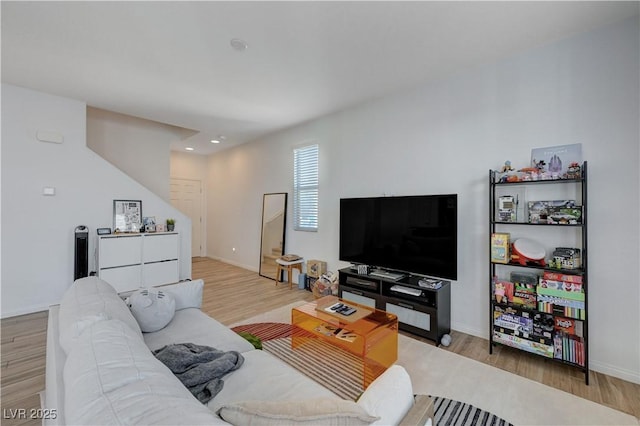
186 196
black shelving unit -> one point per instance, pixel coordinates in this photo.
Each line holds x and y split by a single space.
522 225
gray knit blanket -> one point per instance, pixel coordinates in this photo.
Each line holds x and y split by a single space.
199 368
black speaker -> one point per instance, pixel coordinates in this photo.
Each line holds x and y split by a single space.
81 262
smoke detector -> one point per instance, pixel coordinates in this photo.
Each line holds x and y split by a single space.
238 44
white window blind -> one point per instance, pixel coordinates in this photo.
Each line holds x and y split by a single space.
305 188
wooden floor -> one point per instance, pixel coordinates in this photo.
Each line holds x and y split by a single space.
232 294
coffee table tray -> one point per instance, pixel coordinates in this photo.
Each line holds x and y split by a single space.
361 311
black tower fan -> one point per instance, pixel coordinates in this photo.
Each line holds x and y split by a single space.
81 262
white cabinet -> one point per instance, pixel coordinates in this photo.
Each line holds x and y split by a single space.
131 261
160 259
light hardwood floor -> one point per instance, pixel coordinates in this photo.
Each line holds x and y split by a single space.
232 294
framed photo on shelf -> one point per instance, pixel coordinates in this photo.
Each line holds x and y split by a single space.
127 215
149 224
556 160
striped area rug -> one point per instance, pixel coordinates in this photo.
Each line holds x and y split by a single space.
335 369
341 372
451 412
266 330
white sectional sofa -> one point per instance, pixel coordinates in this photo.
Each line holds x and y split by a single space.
100 370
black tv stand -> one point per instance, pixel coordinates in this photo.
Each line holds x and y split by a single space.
421 311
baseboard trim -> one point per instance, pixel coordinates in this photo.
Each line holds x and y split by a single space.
611 370
472 331
24 311
231 262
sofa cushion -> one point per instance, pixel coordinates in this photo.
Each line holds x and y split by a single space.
263 377
111 377
153 309
191 325
86 302
390 396
187 294
316 411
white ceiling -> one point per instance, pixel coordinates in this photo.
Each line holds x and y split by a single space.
172 61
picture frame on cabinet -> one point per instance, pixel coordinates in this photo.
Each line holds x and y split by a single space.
149 224
127 215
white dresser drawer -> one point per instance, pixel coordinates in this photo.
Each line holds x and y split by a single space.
125 278
160 247
159 273
120 251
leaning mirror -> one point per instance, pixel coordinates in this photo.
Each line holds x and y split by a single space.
274 221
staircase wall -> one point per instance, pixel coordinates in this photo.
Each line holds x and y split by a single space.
38 230
138 147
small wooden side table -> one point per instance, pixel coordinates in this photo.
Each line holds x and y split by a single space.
289 266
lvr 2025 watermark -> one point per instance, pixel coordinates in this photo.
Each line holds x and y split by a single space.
31 413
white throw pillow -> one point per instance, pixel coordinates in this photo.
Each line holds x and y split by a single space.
187 294
318 411
389 397
153 309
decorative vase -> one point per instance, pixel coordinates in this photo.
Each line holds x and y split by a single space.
170 228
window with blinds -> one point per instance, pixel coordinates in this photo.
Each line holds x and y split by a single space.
305 188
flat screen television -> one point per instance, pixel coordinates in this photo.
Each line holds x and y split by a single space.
416 234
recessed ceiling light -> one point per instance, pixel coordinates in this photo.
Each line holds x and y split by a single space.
189 148
238 44
215 141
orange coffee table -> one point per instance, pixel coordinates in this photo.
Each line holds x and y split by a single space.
370 334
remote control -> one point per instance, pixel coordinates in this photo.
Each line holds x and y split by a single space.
348 311
336 307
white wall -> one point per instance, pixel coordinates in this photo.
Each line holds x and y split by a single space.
443 138
37 237
184 165
138 147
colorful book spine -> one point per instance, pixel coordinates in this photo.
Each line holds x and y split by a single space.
569 348
560 285
500 247
567 311
562 294
557 276
524 344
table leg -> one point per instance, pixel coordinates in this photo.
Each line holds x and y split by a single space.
278 272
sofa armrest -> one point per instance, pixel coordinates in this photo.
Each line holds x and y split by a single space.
420 413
